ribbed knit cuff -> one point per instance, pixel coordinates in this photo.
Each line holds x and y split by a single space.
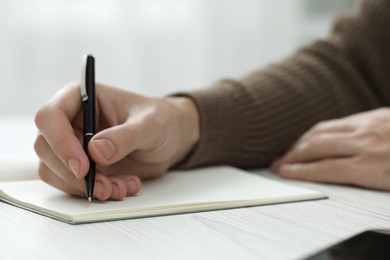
224 111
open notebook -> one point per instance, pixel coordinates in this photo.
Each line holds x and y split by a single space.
176 192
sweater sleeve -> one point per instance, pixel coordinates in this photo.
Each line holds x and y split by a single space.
250 122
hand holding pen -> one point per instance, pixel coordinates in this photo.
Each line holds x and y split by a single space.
136 137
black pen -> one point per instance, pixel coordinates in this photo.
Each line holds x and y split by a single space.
87 88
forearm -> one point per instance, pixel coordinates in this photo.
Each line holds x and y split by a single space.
250 122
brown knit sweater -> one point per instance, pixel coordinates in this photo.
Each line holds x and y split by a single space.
252 121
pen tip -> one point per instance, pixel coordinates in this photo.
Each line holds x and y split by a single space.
89 199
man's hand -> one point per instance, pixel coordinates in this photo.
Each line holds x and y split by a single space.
137 137
354 150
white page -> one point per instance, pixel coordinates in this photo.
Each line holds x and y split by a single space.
15 167
175 192
17 157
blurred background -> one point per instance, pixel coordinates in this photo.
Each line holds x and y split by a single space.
153 47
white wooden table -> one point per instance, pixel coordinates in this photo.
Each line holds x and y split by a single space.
284 231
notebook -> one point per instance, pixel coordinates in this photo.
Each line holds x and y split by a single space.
204 189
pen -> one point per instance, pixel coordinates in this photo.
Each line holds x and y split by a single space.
87 88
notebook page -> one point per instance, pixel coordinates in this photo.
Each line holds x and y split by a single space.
17 157
208 188
15 167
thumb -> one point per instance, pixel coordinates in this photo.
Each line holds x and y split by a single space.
113 144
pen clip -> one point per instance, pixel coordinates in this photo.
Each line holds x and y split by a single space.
83 84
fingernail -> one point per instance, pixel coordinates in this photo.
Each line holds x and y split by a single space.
74 166
131 187
105 147
98 190
115 192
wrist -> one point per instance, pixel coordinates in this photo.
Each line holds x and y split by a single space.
187 116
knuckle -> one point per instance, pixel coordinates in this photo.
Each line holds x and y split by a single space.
306 146
38 145
379 116
370 139
303 147
374 154
383 111
44 115
41 116
73 84
322 125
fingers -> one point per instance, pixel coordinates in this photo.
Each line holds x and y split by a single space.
330 171
338 171
331 126
102 190
325 145
131 183
59 144
329 138
55 173
114 188
52 162
54 123
353 150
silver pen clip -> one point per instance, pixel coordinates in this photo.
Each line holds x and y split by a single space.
83 85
